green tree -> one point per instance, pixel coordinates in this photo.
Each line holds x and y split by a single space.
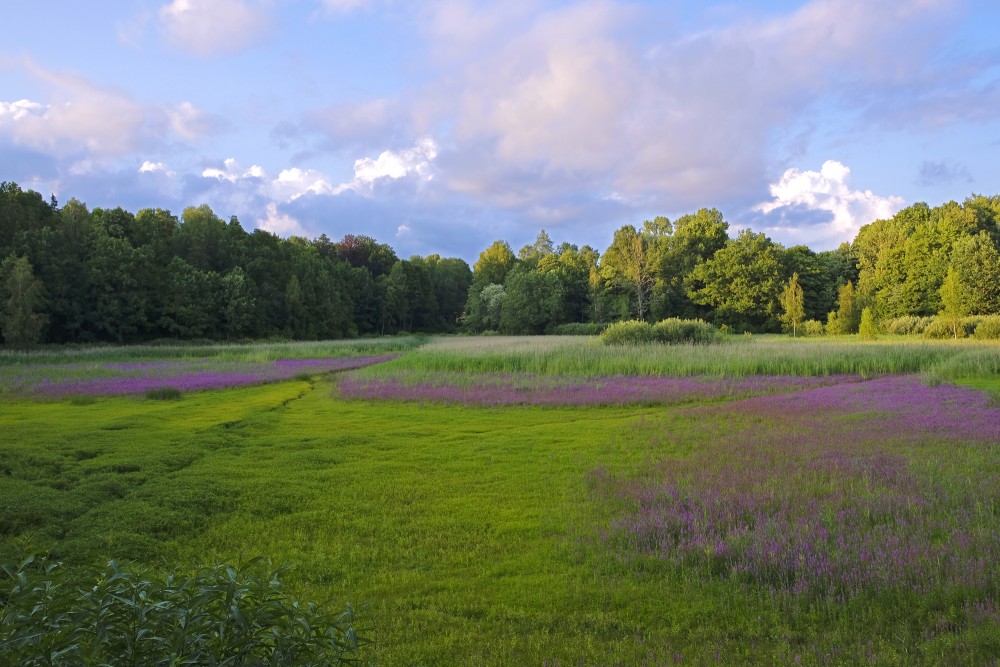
533 302
237 304
976 263
493 265
632 263
793 304
953 301
20 321
493 297
696 238
742 281
848 315
532 254
867 329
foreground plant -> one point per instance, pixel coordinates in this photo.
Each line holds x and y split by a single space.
219 615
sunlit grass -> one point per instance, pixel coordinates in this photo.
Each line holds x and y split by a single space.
481 535
738 356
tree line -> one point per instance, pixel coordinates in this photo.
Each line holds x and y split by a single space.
74 275
70 274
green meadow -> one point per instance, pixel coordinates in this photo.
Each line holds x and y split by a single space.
470 535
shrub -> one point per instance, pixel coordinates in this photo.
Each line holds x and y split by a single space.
941 327
813 328
580 329
867 329
907 325
674 330
217 615
163 394
988 328
629 332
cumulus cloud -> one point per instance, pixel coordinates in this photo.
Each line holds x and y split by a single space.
294 183
81 117
149 167
571 95
392 165
799 196
279 223
231 172
213 27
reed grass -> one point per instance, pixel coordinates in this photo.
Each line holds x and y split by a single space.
266 351
737 357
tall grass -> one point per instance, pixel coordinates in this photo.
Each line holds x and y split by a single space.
222 351
768 355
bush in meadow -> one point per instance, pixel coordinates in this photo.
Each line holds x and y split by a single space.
867 329
813 328
629 332
908 325
988 328
674 330
219 615
941 328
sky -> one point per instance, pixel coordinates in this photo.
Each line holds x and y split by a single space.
440 126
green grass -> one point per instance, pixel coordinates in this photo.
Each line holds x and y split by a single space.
224 351
739 356
464 535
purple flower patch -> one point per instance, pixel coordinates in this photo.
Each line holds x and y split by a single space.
545 390
113 379
828 492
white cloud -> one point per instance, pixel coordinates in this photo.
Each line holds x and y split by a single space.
827 190
213 27
149 167
81 117
232 172
392 165
293 183
280 223
15 111
403 231
572 101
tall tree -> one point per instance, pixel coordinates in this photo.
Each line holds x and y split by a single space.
953 301
742 282
533 302
20 320
632 263
793 304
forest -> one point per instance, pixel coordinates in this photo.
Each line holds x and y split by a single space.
70 274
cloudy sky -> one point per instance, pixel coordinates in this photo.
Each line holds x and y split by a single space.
439 126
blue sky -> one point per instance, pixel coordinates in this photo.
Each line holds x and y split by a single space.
442 125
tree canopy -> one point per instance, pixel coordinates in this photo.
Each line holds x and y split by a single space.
75 275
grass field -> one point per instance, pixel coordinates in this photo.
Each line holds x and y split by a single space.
845 522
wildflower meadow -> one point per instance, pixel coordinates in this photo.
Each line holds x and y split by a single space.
550 501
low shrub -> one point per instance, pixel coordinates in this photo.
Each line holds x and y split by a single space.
628 332
988 328
909 325
163 394
219 615
941 328
813 328
580 329
670 331
674 330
